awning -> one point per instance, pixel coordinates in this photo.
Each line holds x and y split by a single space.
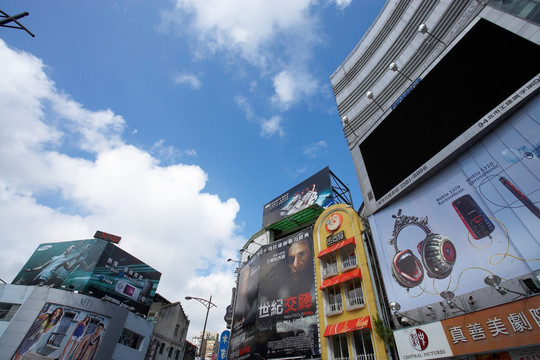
356 273
337 246
345 326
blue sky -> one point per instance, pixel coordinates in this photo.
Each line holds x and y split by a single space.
170 124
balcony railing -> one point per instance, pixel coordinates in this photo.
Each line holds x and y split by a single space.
349 263
330 270
365 357
334 309
355 303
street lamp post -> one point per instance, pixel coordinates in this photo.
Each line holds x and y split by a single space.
207 304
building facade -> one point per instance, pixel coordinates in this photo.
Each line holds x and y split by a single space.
440 107
168 340
52 323
345 292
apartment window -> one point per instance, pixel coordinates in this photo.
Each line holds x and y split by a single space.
354 294
330 267
8 311
348 258
340 348
363 346
130 339
335 301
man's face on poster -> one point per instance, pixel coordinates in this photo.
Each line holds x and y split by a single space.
299 258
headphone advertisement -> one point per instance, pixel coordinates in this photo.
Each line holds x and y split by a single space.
478 217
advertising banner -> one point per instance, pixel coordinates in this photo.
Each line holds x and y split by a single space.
275 314
93 267
478 217
315 190
62 332
512 325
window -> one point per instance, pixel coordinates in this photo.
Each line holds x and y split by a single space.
177 355
170 352
363 346
330 267
354 295
161 348
348 258
176 330
130 339
8 311
340 347
335 302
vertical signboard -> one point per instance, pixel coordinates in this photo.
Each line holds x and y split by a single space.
478 217
62 332
315 190
277 315
94 267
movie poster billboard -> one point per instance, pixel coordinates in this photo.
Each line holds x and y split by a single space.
478 217
93 267
315 190
277 316
62 332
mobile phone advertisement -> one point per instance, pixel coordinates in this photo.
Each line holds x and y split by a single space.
477 217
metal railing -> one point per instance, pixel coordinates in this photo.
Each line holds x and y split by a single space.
330 270
349 263
335 308
355 303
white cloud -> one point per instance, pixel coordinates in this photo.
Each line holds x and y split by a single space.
117 188
190 79
342 4
169 154
290 86
271 127
315 150
277 37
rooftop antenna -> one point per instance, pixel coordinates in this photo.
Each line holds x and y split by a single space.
5 19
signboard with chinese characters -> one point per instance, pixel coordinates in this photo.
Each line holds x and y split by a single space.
422 342
224 344
93 267
512 325
276 314
506 326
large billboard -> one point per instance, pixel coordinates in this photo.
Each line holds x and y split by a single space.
275 313
62 332
457 100
315 190
515 325
476 218
93 267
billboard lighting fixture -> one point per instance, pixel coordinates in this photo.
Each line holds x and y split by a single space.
371 97
229 260
244 250
449 297
423 29
402 319
394 67
495 282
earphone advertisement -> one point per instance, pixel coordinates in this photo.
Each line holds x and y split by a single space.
476 218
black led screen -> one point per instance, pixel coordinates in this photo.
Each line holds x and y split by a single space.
487 66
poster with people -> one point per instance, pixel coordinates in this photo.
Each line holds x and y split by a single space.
275 314
93 267
478 217
63 333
